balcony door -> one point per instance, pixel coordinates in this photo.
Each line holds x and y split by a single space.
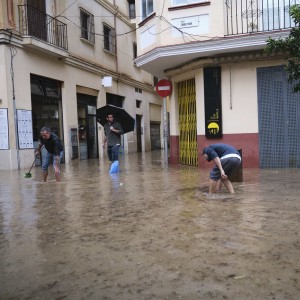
37 19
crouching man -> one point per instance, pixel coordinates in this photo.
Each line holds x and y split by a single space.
227 160
54 149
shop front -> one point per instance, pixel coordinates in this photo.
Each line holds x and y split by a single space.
87 126
46 104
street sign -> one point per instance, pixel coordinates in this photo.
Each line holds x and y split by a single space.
164 88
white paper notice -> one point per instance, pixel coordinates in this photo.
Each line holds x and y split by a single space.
4 141
25 129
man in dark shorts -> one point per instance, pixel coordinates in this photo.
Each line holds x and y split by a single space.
54 148
227 159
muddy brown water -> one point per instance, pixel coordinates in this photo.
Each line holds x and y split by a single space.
149 232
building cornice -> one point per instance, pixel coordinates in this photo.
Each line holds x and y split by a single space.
92 67
223 60
190 51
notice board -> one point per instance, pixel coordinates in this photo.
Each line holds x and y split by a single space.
4 138
25 129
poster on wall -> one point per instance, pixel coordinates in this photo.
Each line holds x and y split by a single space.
4 140
25 129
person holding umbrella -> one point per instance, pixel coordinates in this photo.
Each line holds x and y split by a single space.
113 131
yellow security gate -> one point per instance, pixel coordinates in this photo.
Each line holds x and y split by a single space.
188 150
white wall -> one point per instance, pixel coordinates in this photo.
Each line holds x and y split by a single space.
239 97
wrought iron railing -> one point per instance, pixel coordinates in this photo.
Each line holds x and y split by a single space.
36 23
250 16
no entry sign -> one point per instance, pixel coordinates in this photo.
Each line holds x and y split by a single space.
164 88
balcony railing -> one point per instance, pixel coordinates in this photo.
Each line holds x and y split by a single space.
36 23
250 16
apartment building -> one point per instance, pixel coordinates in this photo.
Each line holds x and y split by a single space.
226 88
60 60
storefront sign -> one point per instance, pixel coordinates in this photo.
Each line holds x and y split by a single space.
213 107
4 139
25 129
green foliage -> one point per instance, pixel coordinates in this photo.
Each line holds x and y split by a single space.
291 47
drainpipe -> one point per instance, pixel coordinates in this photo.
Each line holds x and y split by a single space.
13 53
115 27
230 87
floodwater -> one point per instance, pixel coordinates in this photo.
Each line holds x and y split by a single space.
149 232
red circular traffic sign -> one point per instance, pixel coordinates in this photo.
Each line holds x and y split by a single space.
164 88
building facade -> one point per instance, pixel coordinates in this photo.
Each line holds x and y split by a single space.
226 88
60 60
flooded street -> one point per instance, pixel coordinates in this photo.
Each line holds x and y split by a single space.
149 232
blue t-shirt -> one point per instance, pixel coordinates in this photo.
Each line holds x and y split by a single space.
219 150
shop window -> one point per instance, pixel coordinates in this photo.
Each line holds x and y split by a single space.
46 105
37 88
109 38
115 100
87 26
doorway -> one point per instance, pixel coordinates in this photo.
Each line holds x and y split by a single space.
46 103
188 148
138 124
279 122
87 126
155 136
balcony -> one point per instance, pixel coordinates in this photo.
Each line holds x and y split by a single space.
43 32
251 16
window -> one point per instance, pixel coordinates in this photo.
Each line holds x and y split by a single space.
138 90
155 80
147 8
276 17
109 38
87 26
186 2
134 49
138 103
131 4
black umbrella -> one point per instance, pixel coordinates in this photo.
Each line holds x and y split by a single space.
120 115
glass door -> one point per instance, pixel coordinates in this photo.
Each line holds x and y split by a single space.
92 132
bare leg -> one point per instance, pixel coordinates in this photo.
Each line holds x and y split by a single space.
45 175
218 187
57 176
212 186
228 185
57 172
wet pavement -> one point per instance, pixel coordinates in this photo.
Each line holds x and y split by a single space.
149 232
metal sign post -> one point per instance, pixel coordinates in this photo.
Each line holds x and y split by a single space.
164 89
165 131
